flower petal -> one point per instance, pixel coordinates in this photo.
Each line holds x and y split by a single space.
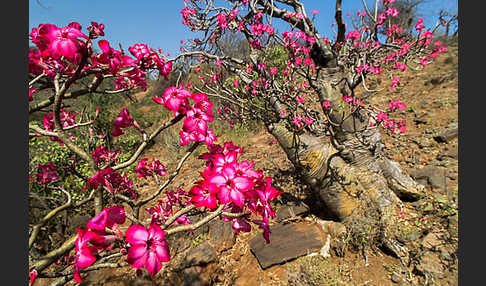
153 264
137 255
162 251
136 234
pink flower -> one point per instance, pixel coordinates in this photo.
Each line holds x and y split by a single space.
419 26
230 186
266 194
395 83
314 12
98 179
297 121
222 20
84 253
381 116
97 236
423 61
185 16
102 154
396 104
147 247
111 180
174 99
236 82
240 224
32 276
107 218
96 30
196 121
155 167
308 120
392 12
202 197
46 173
123 120
266 229
139 50
67 119
326 104
31 91
64 41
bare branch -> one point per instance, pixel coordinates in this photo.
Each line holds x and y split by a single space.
46 218
194 226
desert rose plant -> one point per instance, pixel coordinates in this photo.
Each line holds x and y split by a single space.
301 85
230 189
311 92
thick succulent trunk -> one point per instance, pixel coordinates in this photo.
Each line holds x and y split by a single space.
352 175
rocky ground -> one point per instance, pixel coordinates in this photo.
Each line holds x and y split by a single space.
306 249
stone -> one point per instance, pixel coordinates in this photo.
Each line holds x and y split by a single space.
197 276
430 264
432 175
447 135
410 236
221 235
291 210
432 240
200 255
452 225
287 242
448 154
422 118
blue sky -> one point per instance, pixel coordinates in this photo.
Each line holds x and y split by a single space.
157 23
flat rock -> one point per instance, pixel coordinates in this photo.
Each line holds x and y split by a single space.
432 175
447 135
454 154
287 242
291 210
430 264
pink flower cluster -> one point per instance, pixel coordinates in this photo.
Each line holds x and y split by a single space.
114 59
95 237
67 119
101 154
195 127
113 181
59 48
154 168
225 180
222 21
46 173
185 12
396 104
393 125
167 208
259 29
374 68
56 42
